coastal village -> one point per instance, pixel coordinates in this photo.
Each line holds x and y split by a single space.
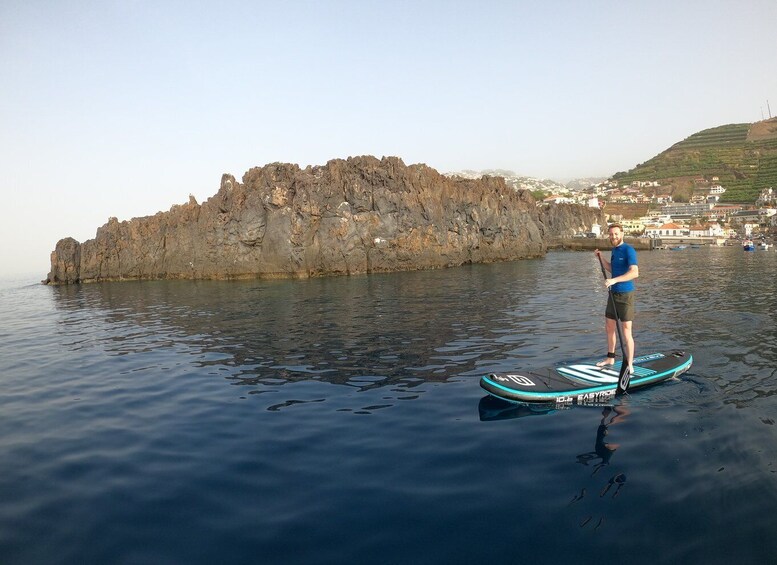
647 209
644 210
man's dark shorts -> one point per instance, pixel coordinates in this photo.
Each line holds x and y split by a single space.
624 302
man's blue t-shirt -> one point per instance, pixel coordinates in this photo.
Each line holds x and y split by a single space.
621 259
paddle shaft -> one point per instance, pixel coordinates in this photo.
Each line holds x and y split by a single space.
624 377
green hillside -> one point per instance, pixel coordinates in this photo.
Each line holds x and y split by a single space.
742 156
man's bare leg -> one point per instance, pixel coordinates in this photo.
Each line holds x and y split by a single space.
612 341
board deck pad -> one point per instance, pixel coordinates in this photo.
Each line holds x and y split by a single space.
583 383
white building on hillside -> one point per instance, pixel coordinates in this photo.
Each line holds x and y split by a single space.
667 230
767 196
709 230
558 199
656 218
691 209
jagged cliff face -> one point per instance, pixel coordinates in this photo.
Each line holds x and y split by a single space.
358 215
566 220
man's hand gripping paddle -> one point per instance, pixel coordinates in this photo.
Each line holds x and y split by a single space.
625 376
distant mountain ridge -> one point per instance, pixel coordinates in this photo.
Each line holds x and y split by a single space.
517 181
740 157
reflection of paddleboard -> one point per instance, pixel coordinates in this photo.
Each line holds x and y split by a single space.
492 408
583 383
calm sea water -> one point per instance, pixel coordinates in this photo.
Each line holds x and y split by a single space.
340 420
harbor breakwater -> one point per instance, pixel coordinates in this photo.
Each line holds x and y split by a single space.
591 243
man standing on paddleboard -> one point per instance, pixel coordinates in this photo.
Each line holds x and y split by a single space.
623 267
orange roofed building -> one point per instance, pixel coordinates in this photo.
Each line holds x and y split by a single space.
667 230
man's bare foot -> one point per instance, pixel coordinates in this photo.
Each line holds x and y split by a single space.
606 362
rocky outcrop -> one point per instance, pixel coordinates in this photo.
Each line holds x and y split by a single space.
566 220
358 215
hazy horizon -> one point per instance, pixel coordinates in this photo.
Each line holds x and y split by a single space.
124 109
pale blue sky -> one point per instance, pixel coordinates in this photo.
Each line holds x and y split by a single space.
123 109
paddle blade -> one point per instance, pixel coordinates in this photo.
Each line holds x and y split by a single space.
623 379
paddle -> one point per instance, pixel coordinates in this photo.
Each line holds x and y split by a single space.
625 376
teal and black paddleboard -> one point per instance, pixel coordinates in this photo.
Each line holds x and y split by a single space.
583 383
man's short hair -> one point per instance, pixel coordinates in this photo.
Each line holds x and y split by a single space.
620 227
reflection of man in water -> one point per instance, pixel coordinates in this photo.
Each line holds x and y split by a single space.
603 450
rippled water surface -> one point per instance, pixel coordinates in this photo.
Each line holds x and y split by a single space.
340 420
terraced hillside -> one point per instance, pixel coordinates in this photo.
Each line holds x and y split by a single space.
742 156
628 211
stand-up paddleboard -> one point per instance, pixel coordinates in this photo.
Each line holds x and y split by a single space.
583 383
